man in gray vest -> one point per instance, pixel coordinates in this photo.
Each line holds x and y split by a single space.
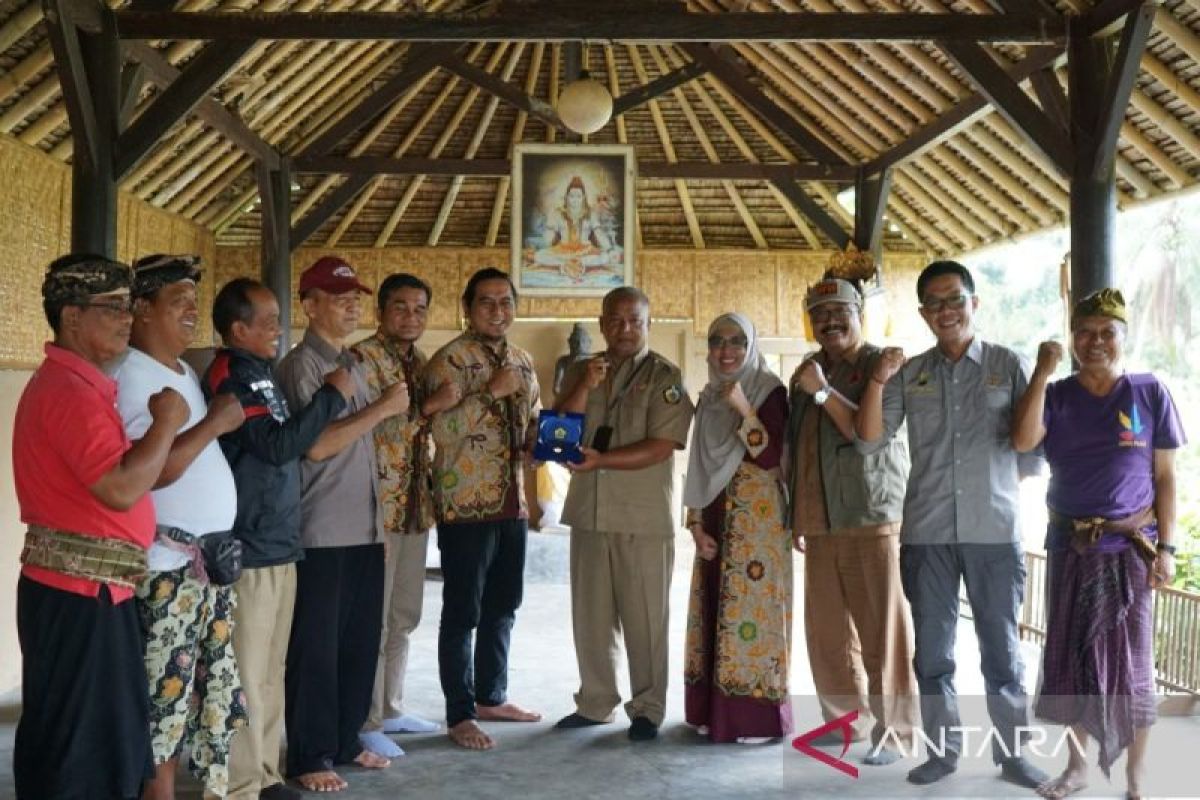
846 511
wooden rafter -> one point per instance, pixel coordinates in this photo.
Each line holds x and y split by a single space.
701 135
660 85
481 129
575 23
751 157
664 138
518 133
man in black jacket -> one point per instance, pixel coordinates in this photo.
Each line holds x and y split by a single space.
264 455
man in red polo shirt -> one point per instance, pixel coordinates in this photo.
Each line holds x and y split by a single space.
82 488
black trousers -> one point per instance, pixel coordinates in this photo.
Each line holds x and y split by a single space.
483 568
332 655
84 732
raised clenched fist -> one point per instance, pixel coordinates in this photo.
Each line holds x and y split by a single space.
169 408
1049 356
890 362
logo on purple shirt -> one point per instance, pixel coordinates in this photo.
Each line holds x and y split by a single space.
1132 428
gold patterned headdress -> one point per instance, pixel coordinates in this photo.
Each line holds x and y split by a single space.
1101 303
851 264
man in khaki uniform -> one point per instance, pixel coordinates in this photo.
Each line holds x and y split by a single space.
622 514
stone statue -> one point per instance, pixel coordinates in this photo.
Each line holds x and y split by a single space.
580 345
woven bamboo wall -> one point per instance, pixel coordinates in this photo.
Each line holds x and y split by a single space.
35 206
769 287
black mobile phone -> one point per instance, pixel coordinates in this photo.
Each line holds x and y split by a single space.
602 438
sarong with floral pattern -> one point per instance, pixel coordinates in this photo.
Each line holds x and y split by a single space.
751 640
196 697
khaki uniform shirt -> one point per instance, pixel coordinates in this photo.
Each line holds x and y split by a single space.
402 445
642 399
478 444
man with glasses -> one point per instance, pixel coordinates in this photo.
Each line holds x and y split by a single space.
961 521
623 515
484 400
846 511
339 583
83 489
403 452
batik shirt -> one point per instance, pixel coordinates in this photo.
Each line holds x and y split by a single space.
478 444
402 448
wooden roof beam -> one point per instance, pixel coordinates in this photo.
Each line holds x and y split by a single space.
815 213
420 60
966 112
748 154
162 73
522 101
194 83
473 147
1010 100
659 86
393 220
636 24
1124 72
798 131
330 205
494 167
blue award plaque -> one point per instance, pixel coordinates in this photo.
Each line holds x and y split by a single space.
559 435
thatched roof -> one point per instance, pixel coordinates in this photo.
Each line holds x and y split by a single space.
980 184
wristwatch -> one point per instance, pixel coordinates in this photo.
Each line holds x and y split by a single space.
821 395
1163 547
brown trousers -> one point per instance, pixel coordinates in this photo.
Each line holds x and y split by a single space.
860 639
262 624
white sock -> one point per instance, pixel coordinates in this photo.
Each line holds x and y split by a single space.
379 744
409 723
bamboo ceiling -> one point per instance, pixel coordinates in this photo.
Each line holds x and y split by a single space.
982 184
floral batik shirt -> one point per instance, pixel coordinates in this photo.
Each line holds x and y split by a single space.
402 446
479 443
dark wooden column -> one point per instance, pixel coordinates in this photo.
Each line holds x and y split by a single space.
83 36
275 194
1101 70
870 198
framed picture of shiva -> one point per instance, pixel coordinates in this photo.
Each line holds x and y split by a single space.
572 219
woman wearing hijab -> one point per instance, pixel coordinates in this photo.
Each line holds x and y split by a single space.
739 614
1110 438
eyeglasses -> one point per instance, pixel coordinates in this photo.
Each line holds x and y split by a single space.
935 304
117 308
824 314
732 342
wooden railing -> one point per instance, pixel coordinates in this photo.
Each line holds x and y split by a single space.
1176 628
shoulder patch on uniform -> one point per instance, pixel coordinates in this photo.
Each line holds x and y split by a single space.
673 394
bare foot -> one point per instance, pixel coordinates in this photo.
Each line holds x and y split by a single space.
507 712
370 760
468 734
1070 782
324 781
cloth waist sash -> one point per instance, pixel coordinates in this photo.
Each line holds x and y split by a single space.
1086 531
181 541
110 561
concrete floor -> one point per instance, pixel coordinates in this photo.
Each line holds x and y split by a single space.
533 761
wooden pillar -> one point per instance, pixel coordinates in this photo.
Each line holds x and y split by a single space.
87 52
1093 192
275 195
870 199
1101 70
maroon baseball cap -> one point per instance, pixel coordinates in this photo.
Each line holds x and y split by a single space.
331 274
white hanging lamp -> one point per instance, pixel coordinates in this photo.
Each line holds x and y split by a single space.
585 105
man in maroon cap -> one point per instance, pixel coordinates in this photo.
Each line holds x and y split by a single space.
339 583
